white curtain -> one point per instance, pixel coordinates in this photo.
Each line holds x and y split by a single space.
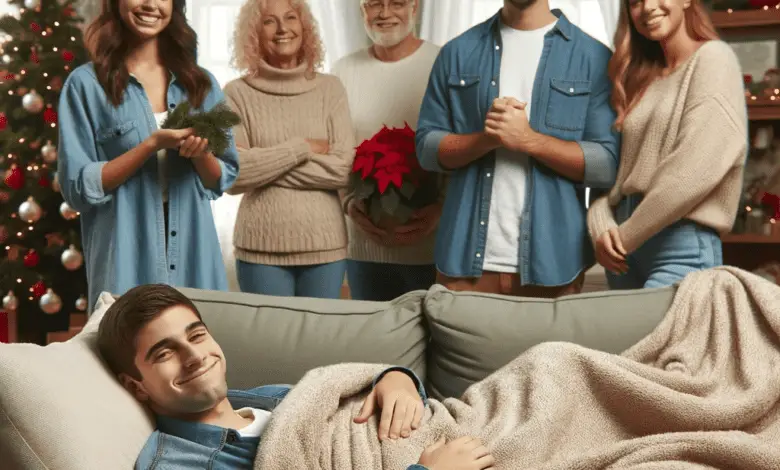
442 20
610 11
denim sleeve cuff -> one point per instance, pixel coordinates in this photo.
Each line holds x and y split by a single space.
600 168
214 194
417 382
92 184
429 154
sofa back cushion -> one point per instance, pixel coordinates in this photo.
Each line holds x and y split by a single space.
276 340
473 334
60 408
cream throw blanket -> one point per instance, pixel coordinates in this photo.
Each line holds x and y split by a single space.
702 391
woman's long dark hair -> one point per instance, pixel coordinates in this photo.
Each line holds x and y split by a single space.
109 42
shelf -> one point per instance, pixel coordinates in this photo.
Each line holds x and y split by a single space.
749 238
764 109
746 19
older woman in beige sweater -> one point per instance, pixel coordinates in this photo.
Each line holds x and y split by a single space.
295 147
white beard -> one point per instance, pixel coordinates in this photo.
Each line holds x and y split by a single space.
390 38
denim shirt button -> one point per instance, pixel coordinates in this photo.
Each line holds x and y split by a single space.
498 47
571 90
479 255
488 175
481 222
493 82
462 82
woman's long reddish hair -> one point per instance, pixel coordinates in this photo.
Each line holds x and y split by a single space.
109 42
638 61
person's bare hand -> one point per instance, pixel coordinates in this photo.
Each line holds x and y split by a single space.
507 121
194 147
170 138
610 253
319 146
357 212
402 408
422 223
465 453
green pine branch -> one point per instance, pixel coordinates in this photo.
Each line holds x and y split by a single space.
213 125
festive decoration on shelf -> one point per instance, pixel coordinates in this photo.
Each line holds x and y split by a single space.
213 125
50 302
72 259
39 46
387 177
10 302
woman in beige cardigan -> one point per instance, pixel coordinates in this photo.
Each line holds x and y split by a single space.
295 147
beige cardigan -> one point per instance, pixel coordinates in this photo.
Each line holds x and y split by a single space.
683 148
290 213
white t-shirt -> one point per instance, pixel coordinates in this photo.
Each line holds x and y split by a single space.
258 425
520 57
161 154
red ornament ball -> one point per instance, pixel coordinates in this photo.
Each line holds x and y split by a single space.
68 56
44 181
50 116
31 259
38 289
35 27
14 179
3 122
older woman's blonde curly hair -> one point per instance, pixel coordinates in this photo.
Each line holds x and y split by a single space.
247 53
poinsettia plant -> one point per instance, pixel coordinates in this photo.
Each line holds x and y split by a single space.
387 177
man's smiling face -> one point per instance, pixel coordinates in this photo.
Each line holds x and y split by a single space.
182 369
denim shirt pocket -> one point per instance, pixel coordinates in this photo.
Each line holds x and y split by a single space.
117 139
464 95
567 106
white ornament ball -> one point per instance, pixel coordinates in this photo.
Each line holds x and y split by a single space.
31 4
81 303
6 59
30 211
49 153
50 302
32 102
67 212
72 258
10 302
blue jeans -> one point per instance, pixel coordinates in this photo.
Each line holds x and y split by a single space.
382 282
317 280
668 256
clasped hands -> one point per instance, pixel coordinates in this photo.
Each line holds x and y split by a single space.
422 223
397 398
610 253
189 145
507 123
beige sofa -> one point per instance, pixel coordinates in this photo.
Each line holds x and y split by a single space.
60 409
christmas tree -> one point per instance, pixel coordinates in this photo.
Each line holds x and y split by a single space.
42 275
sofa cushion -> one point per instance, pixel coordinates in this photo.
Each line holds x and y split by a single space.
473 334
273 340
61 409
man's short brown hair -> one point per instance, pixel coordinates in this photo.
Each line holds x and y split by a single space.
123 320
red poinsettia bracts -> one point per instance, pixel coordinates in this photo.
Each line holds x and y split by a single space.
386 168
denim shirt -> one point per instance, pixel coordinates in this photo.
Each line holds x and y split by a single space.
571 95
184 445
123 231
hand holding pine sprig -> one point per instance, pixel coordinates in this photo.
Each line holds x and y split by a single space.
213 125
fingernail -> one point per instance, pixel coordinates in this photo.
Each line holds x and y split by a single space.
405 434
393 436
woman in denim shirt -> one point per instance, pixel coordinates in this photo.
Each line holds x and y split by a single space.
143 193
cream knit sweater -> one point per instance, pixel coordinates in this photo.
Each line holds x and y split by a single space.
386 93
683 148
290 213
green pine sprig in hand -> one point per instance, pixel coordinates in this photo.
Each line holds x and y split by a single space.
213 125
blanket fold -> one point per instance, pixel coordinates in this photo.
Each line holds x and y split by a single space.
702 391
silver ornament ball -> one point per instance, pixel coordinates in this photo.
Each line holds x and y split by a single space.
81 303
50 302
72 258
49 153
31 4
67 212
6 59
32 102
30 211
10 302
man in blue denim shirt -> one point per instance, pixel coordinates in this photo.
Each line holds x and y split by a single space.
514 218
154 340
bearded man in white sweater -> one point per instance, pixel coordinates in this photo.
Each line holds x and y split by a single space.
385 85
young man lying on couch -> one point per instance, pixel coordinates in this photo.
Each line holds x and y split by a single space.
154 340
